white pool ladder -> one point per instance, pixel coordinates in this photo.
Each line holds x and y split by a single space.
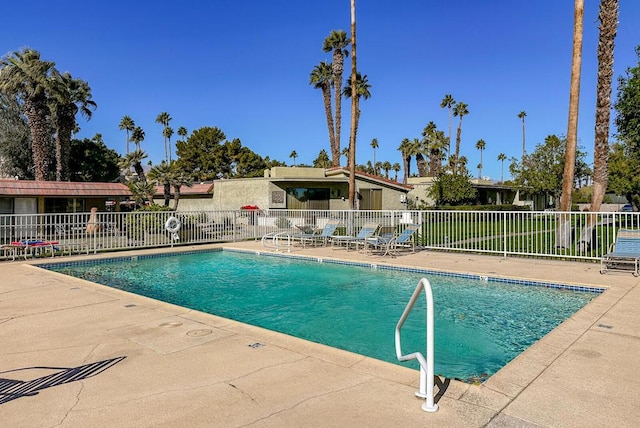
277 240
426 364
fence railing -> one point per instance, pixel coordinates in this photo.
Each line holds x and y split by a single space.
570 235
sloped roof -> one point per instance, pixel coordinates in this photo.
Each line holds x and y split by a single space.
370 177
195 189
18 188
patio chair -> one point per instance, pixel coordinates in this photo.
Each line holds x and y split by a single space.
392 245
367 231
314 238
623 253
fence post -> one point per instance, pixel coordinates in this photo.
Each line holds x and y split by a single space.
504 232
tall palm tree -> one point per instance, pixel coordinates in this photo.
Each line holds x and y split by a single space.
322 78
396 168
182 132
459 110
374 146
355 110
293 155
522 115
134 159
480 145
337 42
572 123
127 124
448 102
502 157
435 145
137 136
168 133
69 96
362 91
419 150
25 75
608 17
164 119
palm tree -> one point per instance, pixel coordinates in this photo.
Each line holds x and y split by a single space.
522 115
182 132
386 166
396 168
435 145
322 78
572 125
345 153
127 124
374 146
459 110
407 151
168 133
337 42
608 17
377 168
161 175
179 178
448 102
480 145
25 75
362 91
137 136
502 157
134 159
164 119
293 155
69 96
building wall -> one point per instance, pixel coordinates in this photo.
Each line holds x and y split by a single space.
236 193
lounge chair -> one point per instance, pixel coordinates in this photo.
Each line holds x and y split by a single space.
390 245
367 231
625 251
314 238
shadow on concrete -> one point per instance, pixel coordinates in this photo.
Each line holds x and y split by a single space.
11 389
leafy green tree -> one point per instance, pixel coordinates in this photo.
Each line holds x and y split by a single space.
26 76
543 170
624 173
322 161
322 78
15 140
452 189
202 156
92 160
337 43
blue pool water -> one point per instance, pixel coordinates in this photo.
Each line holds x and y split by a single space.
479 325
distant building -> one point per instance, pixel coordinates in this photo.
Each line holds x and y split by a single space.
198 197
309 188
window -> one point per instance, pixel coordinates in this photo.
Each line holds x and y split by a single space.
302 198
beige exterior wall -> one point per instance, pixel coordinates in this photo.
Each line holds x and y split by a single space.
233 194
420 192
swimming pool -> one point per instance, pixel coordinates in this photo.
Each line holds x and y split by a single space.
480 324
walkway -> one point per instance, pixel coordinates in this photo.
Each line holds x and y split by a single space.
184 368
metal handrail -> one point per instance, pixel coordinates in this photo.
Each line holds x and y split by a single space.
426 364
272 240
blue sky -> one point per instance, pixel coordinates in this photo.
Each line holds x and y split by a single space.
244 67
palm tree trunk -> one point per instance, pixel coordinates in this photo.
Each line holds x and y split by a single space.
563 232
36 112
335 149
608 17
457 153
354 112
574 98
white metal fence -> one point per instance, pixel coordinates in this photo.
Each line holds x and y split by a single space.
574 235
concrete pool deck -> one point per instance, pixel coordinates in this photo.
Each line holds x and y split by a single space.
186 368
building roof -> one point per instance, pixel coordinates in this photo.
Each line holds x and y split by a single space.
195 189
370 177
21 188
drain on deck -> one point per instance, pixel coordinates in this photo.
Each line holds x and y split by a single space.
256 345
199 332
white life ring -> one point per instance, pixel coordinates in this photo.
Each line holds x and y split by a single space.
172 225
